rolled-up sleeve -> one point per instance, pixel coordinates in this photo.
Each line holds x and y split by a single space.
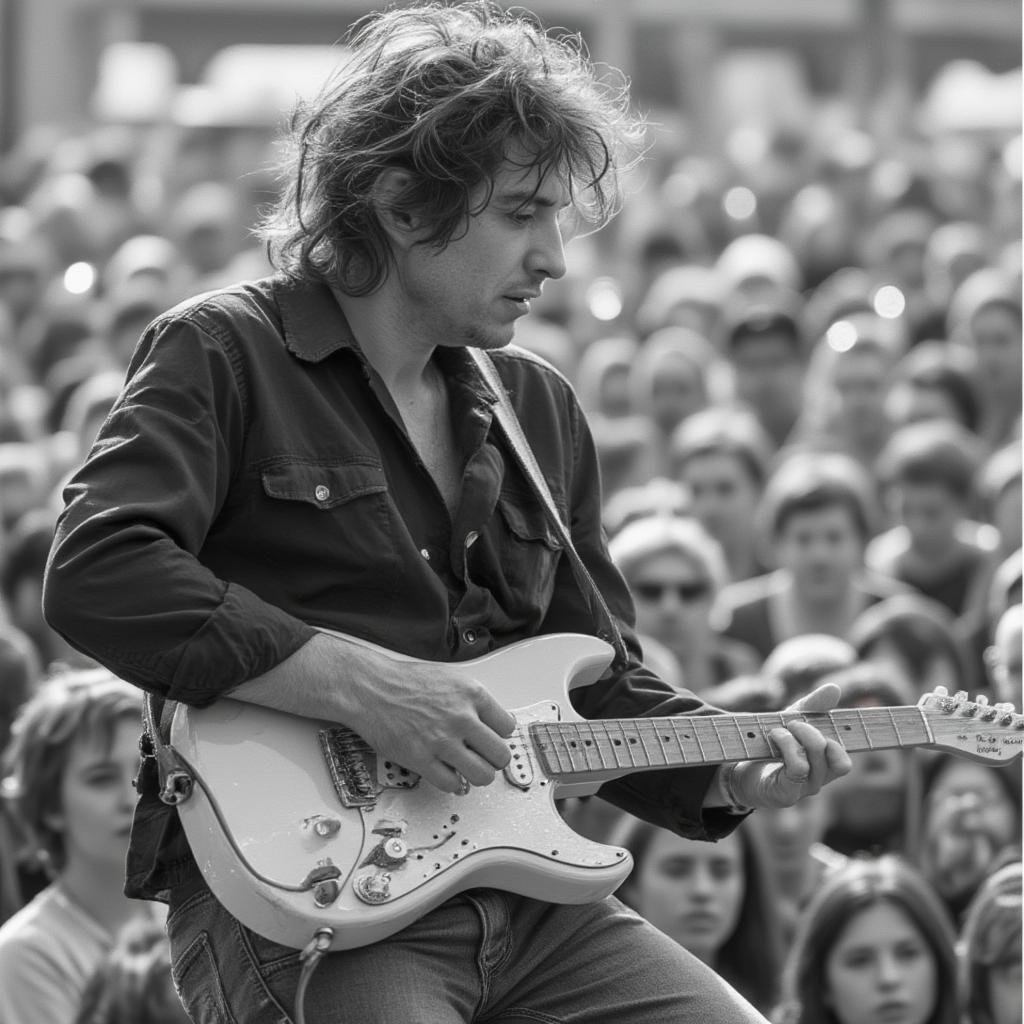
125 583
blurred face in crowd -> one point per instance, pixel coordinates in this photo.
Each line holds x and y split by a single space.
908 402
860 382
1008 516
98 799
940 670
692 891
1004 989
1003 658
673 597
616 399
724 495
969 818
929 511
996 337
869 803
822 550
769 377
677 391
881 970
788 834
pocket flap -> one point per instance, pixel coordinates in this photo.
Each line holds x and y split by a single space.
323 484
527 519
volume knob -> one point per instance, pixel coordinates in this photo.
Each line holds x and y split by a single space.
373 887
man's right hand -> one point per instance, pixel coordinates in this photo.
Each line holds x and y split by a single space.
422 715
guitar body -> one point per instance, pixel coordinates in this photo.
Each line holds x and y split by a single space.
297 826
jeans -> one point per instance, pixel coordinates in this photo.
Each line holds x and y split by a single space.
484 956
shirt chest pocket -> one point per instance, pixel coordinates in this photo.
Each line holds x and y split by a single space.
333 523
530 547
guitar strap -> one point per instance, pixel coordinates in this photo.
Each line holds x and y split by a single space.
508 421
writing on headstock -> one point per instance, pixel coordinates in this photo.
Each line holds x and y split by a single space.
974 728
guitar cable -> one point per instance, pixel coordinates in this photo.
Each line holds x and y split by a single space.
310 957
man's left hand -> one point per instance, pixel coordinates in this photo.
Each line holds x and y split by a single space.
808 760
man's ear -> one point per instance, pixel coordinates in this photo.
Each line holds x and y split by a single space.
402 225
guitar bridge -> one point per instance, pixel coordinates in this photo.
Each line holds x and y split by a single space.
352 764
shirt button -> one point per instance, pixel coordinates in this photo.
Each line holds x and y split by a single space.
469 636
425 553
322 493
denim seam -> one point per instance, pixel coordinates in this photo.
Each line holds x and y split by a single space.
517 1013
258 969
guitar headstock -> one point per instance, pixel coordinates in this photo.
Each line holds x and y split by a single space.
974 728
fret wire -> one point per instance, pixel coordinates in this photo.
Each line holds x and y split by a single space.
610 747
610 744
895 727
573 754
613 747
926 724
553 751
676 726
718 736
566 751
863 725
597 741
741 729
700 746
643 743
629 746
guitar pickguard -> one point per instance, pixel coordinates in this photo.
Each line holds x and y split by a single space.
413 843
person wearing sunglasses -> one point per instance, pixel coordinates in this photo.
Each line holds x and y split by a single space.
675 571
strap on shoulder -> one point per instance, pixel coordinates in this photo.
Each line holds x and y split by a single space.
505 414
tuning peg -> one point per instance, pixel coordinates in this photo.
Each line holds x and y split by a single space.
1005 707
981 700
940 691
960 695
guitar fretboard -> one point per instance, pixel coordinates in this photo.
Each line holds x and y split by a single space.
600 745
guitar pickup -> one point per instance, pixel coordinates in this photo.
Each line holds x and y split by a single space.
519 770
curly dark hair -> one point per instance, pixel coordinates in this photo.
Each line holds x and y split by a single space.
442 93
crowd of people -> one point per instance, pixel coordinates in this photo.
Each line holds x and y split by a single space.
807 411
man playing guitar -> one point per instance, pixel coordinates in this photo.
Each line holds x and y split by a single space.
304 462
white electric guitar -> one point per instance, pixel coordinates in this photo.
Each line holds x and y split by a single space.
297 825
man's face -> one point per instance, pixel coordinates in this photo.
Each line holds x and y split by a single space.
822 550
724 495
473 290
996 335
860 381
930 513
768 376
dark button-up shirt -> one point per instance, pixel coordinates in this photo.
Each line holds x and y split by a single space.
254 481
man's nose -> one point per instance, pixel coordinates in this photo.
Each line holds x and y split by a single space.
548 254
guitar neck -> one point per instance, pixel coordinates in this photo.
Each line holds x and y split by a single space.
611 747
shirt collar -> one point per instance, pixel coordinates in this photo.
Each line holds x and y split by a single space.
314 324
315 327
